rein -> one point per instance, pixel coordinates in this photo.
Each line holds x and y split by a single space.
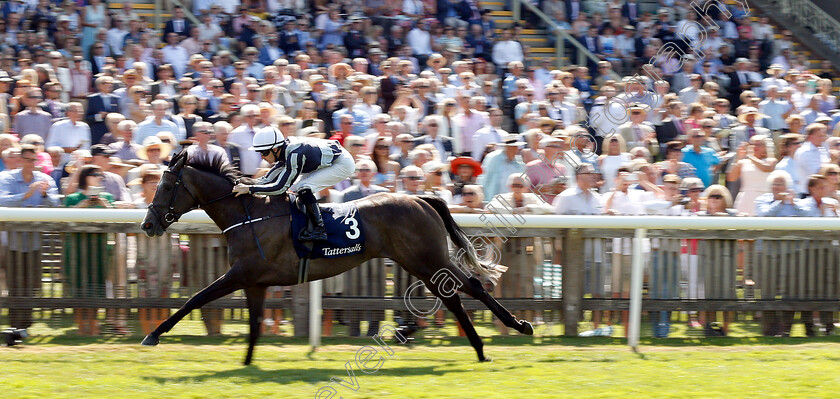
171 216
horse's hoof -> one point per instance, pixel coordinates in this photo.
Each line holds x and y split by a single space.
527 328
150 341
486 360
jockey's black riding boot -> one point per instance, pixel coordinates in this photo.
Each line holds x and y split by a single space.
315 228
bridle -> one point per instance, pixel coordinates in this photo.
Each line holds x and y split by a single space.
171 216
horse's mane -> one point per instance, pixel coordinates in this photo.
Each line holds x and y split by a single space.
211 163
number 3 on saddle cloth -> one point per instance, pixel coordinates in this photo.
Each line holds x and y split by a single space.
345 235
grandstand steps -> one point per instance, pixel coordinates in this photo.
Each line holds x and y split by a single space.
145 9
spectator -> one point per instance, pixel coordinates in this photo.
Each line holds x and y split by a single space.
25 187
472 200
615 158
156 123
99 105
506 50
443 144
753 164
435 183
500 164
70 134
364 187
518 199
809 156
33 119
702 158
581 199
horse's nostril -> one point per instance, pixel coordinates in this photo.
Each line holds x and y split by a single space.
147 225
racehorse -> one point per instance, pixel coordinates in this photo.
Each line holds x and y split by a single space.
411 230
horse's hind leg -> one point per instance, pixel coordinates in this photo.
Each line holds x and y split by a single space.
256 300
473 287
222 286
453 303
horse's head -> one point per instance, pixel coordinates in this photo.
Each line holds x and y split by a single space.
172 199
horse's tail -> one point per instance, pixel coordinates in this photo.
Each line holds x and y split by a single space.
467 252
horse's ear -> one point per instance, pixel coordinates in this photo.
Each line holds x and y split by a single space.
178 160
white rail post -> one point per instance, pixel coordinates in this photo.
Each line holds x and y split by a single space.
315 313
636 278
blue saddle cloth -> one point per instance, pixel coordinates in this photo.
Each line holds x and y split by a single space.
345 234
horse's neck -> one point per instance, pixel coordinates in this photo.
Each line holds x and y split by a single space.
208 189
231 210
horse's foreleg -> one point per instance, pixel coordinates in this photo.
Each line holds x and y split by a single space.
453 303
256 300
224 285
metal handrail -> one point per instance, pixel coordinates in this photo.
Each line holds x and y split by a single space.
810 15
561 35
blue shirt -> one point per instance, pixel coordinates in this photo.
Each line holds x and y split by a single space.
767 205
12 190
361 120
149 128
702 162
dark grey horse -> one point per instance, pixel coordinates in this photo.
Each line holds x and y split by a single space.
410 230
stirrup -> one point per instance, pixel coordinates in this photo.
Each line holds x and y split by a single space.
314 230
316 234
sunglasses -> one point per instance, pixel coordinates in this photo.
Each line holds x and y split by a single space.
415 178
365 169
517 185
468 194
437 173
715 196
381 147
265 152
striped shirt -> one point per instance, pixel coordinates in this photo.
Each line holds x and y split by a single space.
300 155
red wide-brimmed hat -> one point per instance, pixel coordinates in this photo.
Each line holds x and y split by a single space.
466 161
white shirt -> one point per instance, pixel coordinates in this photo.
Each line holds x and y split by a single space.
67 134
808 159
243 136
484 137
574 201
506 52
420 41
114 39
178 57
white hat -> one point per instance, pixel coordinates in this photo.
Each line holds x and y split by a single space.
151 141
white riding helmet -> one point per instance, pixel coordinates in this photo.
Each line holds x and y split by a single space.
267 138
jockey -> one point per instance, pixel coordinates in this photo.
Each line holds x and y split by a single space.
320 163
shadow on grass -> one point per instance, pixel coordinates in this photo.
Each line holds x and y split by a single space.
254 374
69 338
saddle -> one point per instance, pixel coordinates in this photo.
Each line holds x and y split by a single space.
345 234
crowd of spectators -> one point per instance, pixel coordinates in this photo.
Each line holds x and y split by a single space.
429 98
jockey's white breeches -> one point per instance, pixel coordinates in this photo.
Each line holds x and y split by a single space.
341 169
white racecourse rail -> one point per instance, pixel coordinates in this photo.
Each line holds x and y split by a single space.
640 223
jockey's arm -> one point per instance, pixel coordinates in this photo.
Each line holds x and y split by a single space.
279 178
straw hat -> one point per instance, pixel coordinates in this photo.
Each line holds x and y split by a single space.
512 141
433 166
75 156
434 57
750 111
775 67
152 141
